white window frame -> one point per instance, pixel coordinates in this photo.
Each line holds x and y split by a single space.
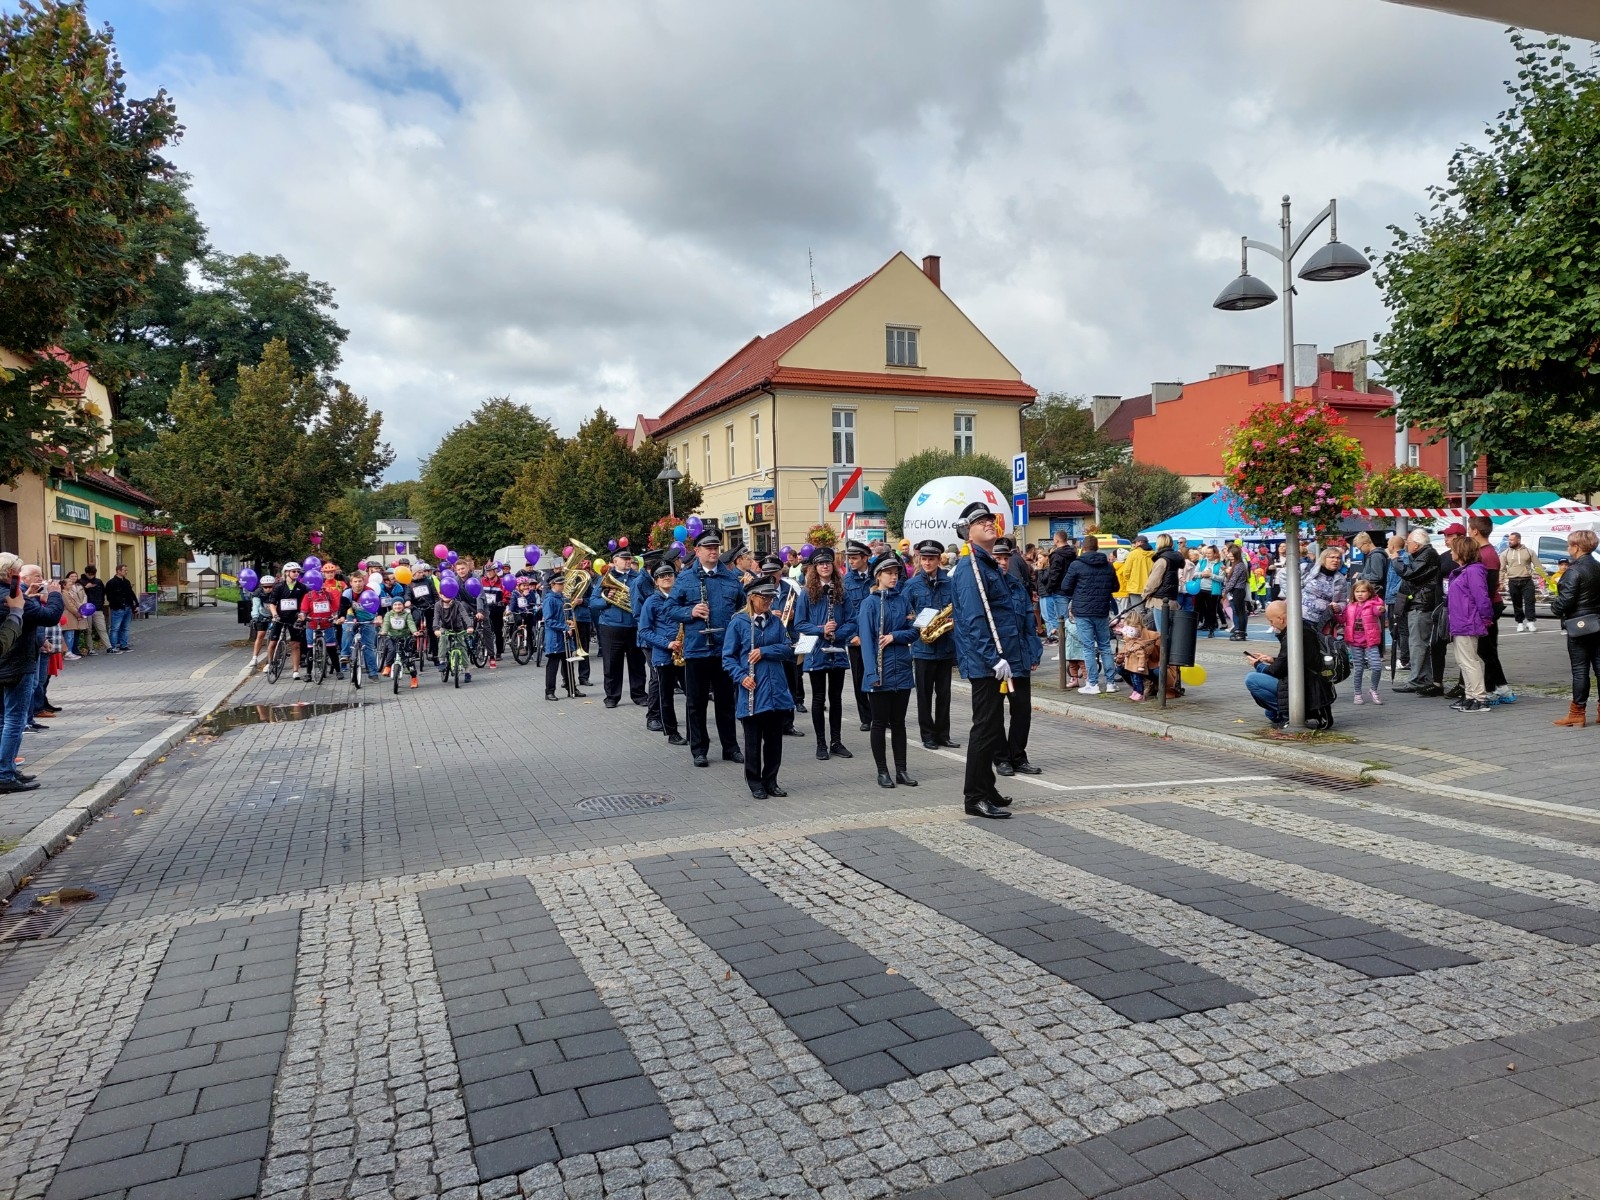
685 460
966 436
705 442
844 435
900 345
1413 454
755 440
733 465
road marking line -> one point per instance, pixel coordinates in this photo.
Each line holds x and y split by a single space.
1117 787
200 672
64 752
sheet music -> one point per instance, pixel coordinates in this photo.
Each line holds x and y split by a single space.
924 617
806 644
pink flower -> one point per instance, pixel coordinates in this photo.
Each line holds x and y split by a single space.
1287 491
1295 510
1261 491
1259 444
1283 441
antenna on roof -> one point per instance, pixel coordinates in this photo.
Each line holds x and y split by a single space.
811 263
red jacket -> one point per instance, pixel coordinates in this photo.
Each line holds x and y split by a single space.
1363 623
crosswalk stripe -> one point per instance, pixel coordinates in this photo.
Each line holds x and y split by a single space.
1118 786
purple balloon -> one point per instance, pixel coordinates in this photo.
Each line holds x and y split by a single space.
807 551
474 586
248 580
680 547
531 554
452 557
86 610
612 545
311 562
695 527
448 586
313 579
369 601
784 555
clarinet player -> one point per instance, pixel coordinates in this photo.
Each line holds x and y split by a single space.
703 601
933 660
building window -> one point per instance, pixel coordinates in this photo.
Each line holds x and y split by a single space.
1413 454
844 437
900 346
755 441
964 433
732 469
706 441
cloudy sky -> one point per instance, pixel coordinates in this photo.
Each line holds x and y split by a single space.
594 203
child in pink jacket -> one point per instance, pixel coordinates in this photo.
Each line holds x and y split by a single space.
1363 634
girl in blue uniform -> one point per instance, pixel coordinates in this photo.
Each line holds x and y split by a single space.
824 611
886 677
755 653
658 633
556 636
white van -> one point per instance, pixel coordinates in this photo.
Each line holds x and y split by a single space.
1546 533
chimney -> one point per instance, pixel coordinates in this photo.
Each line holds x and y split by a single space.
1102 407
1228 369
930 268
1305 364
1160 393
1352 357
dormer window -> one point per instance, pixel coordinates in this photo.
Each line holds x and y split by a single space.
900 346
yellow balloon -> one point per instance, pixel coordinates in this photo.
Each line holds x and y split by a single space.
403 574
599 566
1192 676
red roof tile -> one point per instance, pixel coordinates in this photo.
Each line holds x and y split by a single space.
1060 508
106 482
1118 426
856 381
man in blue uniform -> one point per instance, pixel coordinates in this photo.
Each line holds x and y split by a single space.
856 586
641 589
934 662
618 639
991 650
755 653
659 633
703 601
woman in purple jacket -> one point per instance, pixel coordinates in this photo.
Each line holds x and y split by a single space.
1470 617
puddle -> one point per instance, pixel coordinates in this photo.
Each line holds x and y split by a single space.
224 719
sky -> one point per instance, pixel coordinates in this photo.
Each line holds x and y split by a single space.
595 204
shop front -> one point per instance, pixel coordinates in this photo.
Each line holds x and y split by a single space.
96 520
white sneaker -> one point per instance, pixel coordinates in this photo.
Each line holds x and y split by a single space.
1356 699
1089 689
264 667
1110 689
254 659
297 674
71 657
1532 628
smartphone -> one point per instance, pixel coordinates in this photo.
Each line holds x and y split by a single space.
16 584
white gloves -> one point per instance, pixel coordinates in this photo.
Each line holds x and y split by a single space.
1002 671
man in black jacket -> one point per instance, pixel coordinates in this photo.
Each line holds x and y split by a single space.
1268 680
1422 589
1052 604
19 665
95 590
121 600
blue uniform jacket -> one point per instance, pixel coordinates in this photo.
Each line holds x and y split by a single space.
976 654
923 592
555 624
641 587
810 618
885 612
656 629
772 681
724 595
856 587
609 615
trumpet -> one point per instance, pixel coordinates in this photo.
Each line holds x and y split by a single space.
677 655
942 623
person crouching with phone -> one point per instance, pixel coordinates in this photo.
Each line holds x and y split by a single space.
40 606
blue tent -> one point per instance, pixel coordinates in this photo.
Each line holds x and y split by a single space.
1210 521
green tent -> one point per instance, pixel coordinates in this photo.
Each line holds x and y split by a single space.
1514 500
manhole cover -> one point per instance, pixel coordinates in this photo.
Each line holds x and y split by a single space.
34 925
1330 783
625 802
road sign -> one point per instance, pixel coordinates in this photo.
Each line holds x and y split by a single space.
1019 511
1019 474
761 495
844 488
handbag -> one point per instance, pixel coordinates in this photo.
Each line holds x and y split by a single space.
1581 625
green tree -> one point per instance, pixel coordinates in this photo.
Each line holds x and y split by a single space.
911 475
350 524
1495 297
255 477
594 488
464 480
1402 487
79 162
1059 436
1136 495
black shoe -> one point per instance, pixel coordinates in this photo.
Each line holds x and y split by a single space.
551 696
16 785
904 780
1457 693
793 732
609 703
654 725
701 761
947 744
642 703
930 745
35 727
25 777
758 793
576 695
822 753
1404 688
774 790
1432 690
1027 768
1004 768
865 726
733 756
677 739
838 750
984 809
885 779
799 708
1000 801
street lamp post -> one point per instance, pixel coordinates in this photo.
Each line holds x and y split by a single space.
821 484
669 476
1332 261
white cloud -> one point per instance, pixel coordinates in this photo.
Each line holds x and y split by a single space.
593 203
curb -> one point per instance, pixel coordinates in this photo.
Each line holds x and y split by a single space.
50 835
1305 760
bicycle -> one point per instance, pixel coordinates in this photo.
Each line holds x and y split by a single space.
323 656
404 656
358 654
278 654
478 646
453 649
523 645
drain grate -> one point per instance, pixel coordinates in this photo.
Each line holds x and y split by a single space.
34 925
1328 783
621 803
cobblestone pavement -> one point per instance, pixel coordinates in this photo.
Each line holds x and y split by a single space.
470 944
1513 750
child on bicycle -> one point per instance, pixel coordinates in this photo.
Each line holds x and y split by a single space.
523 606
451 616
400 640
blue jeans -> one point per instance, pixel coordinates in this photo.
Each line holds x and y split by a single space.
1052 608
41 680
16 709
121 618
1095 634
1263 689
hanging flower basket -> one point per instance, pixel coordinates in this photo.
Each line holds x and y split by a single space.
823 535
1288 463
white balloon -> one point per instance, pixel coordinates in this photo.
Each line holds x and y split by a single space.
375 581
934 508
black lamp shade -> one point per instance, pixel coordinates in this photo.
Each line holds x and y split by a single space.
1243 294
1335 261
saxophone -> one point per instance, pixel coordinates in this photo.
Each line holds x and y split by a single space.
941 624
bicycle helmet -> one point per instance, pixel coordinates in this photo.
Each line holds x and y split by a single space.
268 581
287 567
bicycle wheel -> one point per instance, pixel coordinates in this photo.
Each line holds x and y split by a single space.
280 651
458 659
397 667
357 651
521 645
478 648
536 636
319 661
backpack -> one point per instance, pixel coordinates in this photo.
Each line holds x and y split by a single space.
1335 658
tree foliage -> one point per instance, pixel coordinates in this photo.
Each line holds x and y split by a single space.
350 524
463 484
1059 436
1495 332
911 475
255 477
78 163
1136 495
592 487
1402 487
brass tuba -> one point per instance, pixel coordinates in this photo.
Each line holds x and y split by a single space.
941 624
578 576
615 592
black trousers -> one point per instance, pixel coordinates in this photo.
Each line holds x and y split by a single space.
652 696
863 709
424 616
1205 611
1494 675
496 630
889 726
986 742
1020 700
1522 605
664 681
1584 654
827 696
552 671
1240 599
619 645
933 698
797 681
1400 630
704 678
581 642
763 746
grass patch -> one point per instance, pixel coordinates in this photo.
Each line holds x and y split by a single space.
7 845
1376 764
1306 737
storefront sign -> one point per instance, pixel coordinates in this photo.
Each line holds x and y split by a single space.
73 511
762 495
103 524
757 514
137 527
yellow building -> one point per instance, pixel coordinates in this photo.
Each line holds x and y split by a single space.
70 519
884 370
